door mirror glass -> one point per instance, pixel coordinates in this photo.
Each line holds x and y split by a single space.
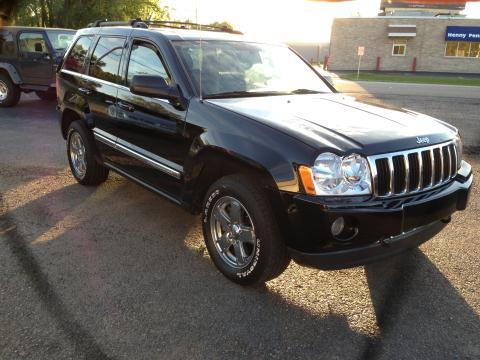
38 47
153 86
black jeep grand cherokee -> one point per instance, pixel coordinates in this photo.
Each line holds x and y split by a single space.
278 163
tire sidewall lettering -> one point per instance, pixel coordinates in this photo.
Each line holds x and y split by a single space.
253 264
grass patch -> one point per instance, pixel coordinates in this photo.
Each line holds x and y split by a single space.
411 78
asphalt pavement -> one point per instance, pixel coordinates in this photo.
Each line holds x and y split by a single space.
116 272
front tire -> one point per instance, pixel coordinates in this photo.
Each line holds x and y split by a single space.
9 92
81 152
241 233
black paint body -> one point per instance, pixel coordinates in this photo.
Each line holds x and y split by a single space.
203 140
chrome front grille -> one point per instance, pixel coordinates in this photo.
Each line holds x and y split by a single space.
411 171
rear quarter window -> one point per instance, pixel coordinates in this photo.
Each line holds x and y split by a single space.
32 43
7 44
75 60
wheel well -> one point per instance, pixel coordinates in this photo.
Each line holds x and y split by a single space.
216 166
68 117
5 72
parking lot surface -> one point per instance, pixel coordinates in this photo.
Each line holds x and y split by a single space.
116 272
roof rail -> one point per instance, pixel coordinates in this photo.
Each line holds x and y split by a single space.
145 24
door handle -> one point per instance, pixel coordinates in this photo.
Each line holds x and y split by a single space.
85 91
126 107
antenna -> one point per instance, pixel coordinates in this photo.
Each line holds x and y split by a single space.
201 53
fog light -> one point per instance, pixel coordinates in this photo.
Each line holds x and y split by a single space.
338 226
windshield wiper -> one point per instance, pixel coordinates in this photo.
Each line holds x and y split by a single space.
305 91
234 94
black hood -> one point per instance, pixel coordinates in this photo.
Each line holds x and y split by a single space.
341 123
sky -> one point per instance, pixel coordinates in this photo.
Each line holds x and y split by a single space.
280 20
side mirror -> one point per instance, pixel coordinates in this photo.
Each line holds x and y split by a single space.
38 47
155 87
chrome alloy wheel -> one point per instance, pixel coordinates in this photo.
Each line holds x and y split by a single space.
3 91
77 155
233 232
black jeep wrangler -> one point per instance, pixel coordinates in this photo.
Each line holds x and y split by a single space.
28 61
278 164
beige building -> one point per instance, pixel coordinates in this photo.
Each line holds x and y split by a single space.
392 43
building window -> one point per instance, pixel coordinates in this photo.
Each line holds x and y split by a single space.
399 47
462 49
475 50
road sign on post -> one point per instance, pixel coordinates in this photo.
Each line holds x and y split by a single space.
361 52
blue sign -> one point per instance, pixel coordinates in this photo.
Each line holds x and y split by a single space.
463 33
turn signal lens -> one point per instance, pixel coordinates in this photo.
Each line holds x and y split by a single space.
307 180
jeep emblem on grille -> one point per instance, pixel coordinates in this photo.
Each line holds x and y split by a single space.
423 140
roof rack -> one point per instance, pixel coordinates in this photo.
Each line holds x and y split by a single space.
145 24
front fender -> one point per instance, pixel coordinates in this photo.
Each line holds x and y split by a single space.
12 72
248 151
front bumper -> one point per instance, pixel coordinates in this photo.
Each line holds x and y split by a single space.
382 228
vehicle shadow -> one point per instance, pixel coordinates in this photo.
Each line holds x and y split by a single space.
122 273
419 312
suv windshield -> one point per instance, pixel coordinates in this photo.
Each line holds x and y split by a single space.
60 40
236 69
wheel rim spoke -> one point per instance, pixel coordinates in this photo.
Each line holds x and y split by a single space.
224 243
236 212
247 235
240 253
222 217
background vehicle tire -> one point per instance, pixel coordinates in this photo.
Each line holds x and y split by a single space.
47 95
81 156
237 214
9 92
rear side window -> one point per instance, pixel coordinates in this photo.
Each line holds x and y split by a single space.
32 43
7 44
75 60
145 60
106 58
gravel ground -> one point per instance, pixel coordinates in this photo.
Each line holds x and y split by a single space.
117 272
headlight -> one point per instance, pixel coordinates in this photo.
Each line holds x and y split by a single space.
459 148
335 175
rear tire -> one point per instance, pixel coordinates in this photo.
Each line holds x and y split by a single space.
264 255
81 153
48 95
9 92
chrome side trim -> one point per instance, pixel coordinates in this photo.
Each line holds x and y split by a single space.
140 182
104 139
148 161
142 155
91 78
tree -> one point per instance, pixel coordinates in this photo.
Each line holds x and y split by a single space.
224 25
79 13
